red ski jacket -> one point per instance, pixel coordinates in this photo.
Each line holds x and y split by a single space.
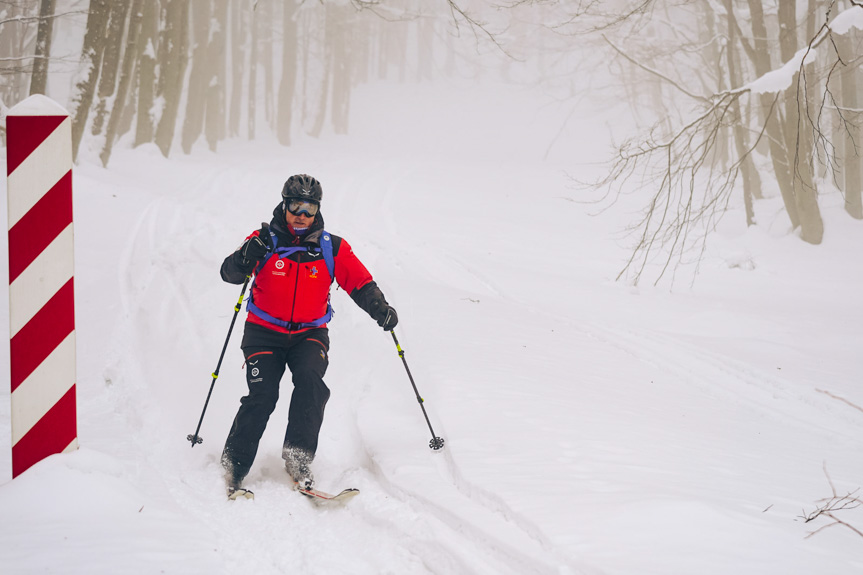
296 288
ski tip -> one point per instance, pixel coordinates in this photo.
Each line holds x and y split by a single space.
321 496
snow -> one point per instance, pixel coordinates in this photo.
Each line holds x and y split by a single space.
779 80
37 105
847 19
591 427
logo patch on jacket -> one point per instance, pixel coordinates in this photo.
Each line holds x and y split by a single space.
313 273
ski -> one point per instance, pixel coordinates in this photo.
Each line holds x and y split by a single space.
312 493
318 495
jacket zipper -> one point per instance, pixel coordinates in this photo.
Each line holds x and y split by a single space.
294 303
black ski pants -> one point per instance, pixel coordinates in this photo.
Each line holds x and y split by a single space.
306 355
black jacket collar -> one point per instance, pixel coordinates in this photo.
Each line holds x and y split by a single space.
279 226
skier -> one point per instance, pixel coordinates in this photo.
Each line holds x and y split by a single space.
294 262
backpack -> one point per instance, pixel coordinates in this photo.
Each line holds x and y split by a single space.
326 248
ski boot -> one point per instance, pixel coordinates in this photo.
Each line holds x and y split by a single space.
234 484
297 462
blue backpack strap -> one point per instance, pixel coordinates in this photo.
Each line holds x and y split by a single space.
327 249
252 308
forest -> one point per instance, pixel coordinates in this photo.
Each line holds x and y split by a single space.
695 75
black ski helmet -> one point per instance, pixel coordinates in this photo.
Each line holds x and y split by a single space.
304 187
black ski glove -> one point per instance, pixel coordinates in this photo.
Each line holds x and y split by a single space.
371 299
253 251
384 314
391 319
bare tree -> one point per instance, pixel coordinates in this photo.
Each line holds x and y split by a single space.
239 32
266 58
173 58
147 50
110 61
689 196
799 137
253 70
39 78
325 72
751 180
199 76
851 118
216 58
339 40
126 75
88 74
761 59
287 86
16 35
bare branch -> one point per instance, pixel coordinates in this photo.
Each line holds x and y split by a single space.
654 72
842 399
829 506
478 27
36 18
689 192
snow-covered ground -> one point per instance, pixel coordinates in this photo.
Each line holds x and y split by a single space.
591 427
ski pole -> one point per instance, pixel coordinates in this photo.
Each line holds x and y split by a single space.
195 438
436 442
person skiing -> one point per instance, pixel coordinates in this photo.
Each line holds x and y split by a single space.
293 261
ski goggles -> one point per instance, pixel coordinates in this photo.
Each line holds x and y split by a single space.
297 207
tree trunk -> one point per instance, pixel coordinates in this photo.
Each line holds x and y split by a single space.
850 132
238 58
306 15
266 56
384 33
714 82
805 190
39 77
253 71
125 81
129 109
401 50
799 114
199 77
338 33
775 138
214 127
323 97
450 64
110 62
91 62
747 166
288 83
425 48
799 131
147 72
15 36
361 53
172 70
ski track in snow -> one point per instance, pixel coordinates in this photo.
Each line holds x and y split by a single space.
718 375
272 529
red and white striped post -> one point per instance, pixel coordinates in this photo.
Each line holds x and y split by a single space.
41 294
